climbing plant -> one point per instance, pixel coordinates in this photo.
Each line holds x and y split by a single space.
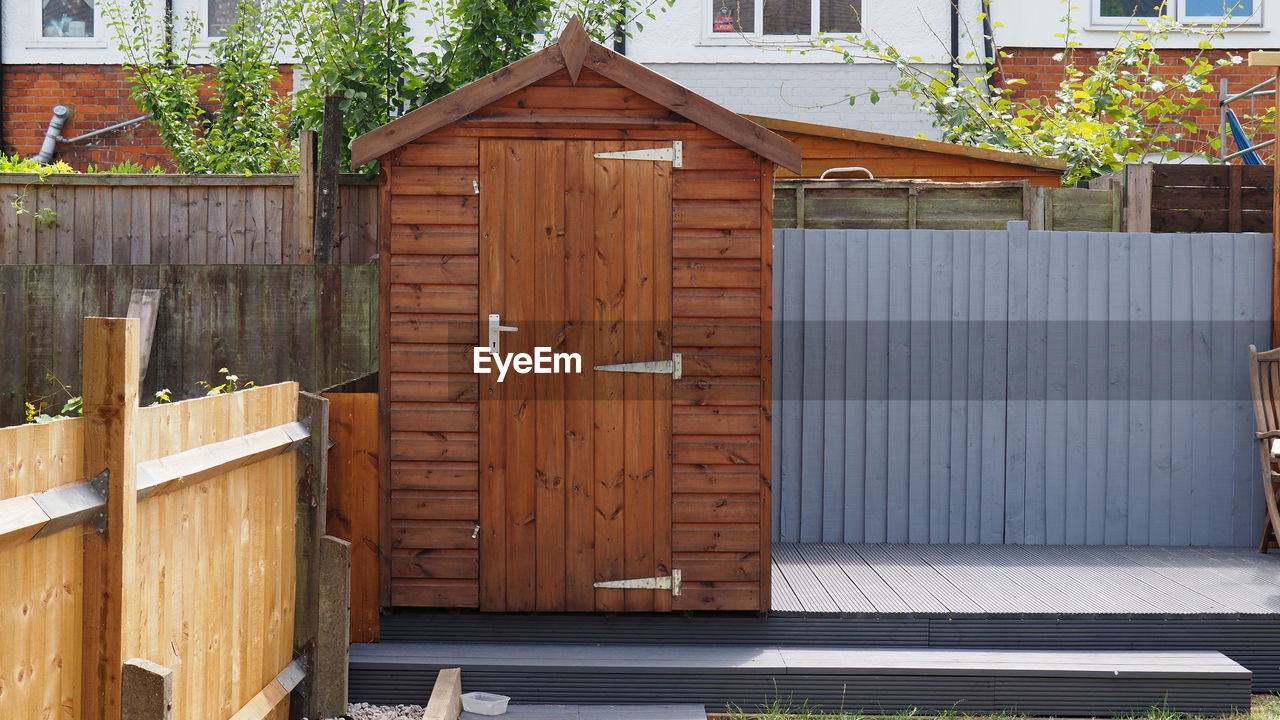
229 117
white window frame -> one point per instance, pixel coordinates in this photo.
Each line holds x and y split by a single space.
1254 19
1176 9
206 37
41 40
815 8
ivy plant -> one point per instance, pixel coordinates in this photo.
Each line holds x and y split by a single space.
1121 106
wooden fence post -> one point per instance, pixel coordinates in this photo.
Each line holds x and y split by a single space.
329 689
304 198
326 229
1137 198
312 490
110 381
147 692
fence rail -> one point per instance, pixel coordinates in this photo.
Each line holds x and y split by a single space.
314 324
196 219
1017 387
194 561
862 204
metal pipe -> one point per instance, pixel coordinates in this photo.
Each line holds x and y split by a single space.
1259 146
1222 120
955 43
61 113
1255 90
106 129
852 168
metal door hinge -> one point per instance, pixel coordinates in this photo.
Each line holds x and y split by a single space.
662 582
673 154
475 532
673 367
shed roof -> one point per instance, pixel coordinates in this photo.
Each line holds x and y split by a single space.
573 51
934 146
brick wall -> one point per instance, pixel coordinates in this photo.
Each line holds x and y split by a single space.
1042 74
98 96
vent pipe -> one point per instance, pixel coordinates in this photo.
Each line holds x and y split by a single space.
61 114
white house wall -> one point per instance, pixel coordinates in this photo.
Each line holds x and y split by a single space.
1034 23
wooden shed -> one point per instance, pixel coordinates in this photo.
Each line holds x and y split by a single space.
893 157
577 201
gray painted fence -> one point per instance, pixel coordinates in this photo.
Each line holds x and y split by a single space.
1017 387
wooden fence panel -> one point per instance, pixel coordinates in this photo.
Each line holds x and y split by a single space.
160 219
901 205
1199 198
41 610
215 561
1015 387
354 512
315 324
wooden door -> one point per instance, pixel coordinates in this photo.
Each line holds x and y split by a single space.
575 469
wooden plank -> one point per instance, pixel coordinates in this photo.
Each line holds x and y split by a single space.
110 382
262 705
1138 180
353 507
493 523
304 198
579 458
446 697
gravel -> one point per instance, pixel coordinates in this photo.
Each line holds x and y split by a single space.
365 711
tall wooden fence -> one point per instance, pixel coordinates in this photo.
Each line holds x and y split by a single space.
145 543
1016 387
909 204
314 324
197 219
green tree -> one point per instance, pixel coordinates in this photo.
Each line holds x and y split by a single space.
243 126
1120 107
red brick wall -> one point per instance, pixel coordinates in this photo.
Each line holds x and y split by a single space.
98 96
1042 74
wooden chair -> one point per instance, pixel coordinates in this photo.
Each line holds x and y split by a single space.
1264 381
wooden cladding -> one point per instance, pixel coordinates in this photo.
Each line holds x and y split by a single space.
1198 198
459 536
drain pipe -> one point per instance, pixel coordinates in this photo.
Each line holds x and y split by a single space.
61 114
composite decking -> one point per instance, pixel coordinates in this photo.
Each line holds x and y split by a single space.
941 598
1023 580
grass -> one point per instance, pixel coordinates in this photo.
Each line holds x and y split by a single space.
1265 707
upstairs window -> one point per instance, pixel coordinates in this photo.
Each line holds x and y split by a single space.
222 15
66 18
1206 12
785 17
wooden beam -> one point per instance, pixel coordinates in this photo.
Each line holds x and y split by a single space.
1137 198
1264 58
304 197
144 305
329 691
174 472
573 47
261 705
326 224
446 696
110 381
309 527
28 517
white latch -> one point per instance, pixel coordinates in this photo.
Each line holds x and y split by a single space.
662 582
673 367
496 328
673 154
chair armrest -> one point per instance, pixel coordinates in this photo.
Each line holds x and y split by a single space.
1264 434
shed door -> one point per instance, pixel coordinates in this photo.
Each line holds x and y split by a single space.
575 252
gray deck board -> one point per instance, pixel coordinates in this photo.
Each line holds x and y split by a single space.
1017 579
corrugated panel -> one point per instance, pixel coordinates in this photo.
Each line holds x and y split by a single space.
1017 387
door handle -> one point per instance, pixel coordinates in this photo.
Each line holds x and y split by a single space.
496 328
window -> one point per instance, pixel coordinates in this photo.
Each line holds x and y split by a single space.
66 18
1121 12
786 17
222 15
